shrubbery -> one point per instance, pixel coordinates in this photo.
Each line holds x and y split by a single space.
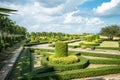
64 60
100 55
61 67
61 49
66 75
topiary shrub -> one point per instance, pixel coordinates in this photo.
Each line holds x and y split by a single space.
92 47
64 60
61 49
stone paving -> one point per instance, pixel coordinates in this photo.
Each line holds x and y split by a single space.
4 72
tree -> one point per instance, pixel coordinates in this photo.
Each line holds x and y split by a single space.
110 31
6 11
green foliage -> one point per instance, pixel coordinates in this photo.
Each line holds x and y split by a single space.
40 52
105 61
61 49
92 47
110 31
66 75
107 48
62 67
101 55
64 60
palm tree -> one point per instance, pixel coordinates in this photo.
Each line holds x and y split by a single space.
6 11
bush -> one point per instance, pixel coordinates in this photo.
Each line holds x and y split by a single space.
64 60
104 61
39 52
92 47
107 48
83 46
62 67
101 55
61 49
67 75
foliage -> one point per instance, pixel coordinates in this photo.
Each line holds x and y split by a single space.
105 61
62 67
64 60
66 75
61 49
110 31
101 55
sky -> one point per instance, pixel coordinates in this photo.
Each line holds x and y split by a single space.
67 16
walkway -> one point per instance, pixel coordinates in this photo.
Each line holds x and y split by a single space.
45 46
4 72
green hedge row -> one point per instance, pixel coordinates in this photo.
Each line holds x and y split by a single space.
61 67
75 73
100 55
105 61
108 48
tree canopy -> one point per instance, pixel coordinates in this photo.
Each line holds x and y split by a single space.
110 31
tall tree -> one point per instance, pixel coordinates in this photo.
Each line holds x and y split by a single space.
110 31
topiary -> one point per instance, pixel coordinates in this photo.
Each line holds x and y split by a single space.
61 49
64 60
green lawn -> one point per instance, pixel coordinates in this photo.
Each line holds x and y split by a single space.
109 44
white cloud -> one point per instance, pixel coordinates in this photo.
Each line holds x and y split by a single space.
108 8
57 16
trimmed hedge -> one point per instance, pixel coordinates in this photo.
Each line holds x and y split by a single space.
61 49
62 67
76 73
108 48
105 61
101 55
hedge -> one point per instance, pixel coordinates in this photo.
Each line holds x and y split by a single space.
105 61
108 48
91 72
101 55
62 67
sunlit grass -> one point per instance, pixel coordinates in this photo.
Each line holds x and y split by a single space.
109 44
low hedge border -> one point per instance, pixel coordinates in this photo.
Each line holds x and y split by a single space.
75 73
108 48
101 55
62 67
105 61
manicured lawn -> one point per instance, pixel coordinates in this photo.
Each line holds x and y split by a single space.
109 44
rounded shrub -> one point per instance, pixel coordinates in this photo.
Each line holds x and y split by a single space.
61 49
83 46
92 47
64 60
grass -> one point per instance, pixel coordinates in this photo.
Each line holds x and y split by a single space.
109 44
22 66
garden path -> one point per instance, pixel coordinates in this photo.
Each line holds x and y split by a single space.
45 46
4 72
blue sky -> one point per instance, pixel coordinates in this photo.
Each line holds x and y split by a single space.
68 16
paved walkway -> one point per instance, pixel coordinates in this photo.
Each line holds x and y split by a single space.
45 46
4 72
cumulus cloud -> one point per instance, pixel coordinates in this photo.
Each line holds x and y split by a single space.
55 15
108 8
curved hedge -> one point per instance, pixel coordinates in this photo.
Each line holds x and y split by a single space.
62 67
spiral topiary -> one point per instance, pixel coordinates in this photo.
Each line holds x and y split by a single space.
61 49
